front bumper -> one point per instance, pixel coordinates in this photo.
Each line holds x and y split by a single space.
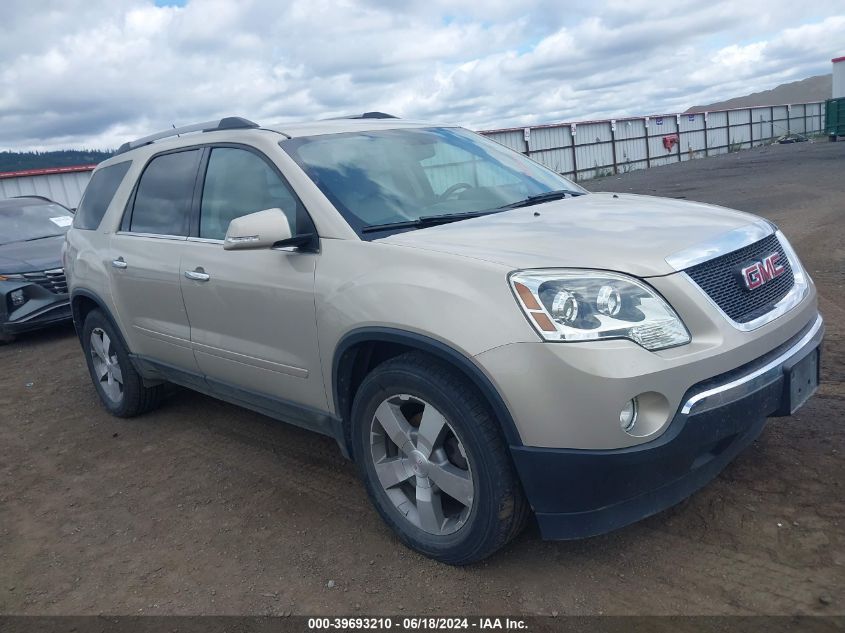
580 493
41 309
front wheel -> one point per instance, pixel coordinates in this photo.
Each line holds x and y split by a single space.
434 462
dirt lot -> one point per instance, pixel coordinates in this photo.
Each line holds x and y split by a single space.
201 507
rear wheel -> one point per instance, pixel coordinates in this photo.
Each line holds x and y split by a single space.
120 387
434 462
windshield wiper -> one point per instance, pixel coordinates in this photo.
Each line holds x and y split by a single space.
426 220
42 237
539 198
434 220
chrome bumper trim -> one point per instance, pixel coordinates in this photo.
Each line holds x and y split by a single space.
757 379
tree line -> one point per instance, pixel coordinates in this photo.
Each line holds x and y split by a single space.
18 161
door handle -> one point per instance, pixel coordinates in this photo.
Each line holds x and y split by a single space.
197 275
118 263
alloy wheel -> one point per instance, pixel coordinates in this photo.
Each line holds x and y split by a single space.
106 365
421 464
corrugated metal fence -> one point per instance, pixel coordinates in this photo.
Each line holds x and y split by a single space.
581 150
62 184
591 149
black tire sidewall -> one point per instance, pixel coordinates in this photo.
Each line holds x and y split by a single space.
480 526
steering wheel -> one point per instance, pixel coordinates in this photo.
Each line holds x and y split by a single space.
451 191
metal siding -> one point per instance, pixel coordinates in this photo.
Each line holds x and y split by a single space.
818 117
630 128
838 79
740 130
66 188
597 132
761 125
559 160
692 145
668 126
697 122
780 122
594 160
717 119
658 152
509 138
717 141
552 145
630 153
550 138
797 119
664 160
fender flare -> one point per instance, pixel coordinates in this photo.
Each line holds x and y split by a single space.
431 346
101 305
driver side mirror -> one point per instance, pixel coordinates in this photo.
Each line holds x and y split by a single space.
262 229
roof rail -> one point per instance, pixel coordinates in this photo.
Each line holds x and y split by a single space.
366 115
226 123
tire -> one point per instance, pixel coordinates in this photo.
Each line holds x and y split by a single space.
119 385
832 138
461 451
5 339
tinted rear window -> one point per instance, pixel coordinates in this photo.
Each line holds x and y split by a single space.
165 192
98 195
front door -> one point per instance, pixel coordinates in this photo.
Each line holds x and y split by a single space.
144 262
252 313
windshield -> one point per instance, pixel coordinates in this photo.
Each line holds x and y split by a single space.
396 176
32 221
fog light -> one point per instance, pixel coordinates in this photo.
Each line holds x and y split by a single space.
628 416
17 298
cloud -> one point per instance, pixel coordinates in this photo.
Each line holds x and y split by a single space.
94 73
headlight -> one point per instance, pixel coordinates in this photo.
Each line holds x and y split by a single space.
588 305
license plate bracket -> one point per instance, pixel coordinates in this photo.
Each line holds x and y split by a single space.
802 380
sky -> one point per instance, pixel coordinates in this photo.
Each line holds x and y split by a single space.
95 73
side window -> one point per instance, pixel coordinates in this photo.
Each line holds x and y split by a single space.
239 182
98 195
165 192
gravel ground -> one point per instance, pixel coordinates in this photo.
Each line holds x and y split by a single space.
201 507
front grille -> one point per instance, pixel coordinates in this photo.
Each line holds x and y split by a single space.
720 278
52 280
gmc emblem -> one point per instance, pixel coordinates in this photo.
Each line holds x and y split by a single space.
758 273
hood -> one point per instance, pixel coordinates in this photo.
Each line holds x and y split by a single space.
25 257
621 232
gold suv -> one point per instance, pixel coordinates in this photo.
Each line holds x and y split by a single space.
484 338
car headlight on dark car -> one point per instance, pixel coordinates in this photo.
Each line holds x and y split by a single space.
589 305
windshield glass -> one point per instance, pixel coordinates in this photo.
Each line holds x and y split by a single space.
32 221
390 176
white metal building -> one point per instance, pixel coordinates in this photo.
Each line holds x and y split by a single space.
62 184
838 77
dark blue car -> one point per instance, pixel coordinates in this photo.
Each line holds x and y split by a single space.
33 289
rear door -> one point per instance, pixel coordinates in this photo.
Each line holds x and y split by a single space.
145 256
252 312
